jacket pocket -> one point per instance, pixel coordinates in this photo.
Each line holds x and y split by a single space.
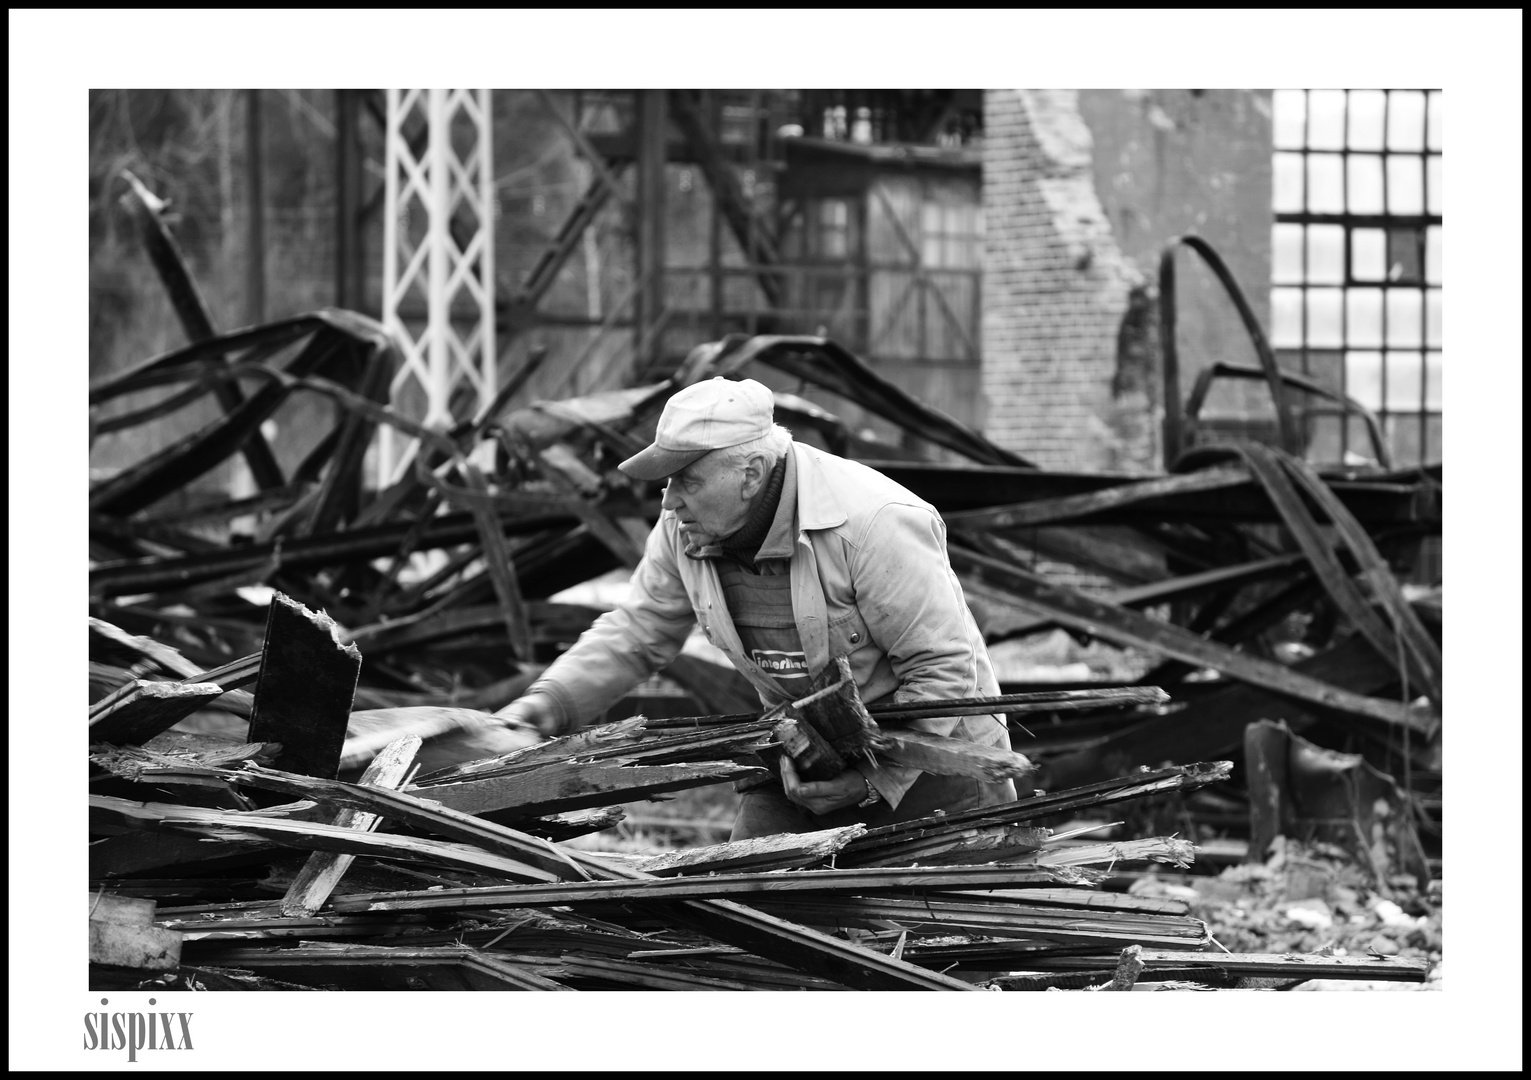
848 633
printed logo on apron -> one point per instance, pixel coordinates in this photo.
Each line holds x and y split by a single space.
781 663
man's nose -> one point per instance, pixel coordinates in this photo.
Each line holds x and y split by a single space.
671 500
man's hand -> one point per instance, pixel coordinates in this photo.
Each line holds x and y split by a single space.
822 796
533 710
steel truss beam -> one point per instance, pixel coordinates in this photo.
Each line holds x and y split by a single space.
422 261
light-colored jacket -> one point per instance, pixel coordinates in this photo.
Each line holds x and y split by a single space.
870 580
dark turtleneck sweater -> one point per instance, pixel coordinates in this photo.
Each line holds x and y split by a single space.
744 545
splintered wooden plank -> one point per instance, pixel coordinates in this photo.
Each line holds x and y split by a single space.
627 741
112 644
757 973
835 709
135 852
303 695
369 730
943 756
324 869
313 836
1104 792
780 852
990 844
170 750
578 823
806 949
139 710
929 916
1037 701
1088 898
622 735
441 967
810 752
241 826
636 975
568 786
900 881
204 927
1165 849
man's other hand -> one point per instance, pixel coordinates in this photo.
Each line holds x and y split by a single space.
822 796
533 710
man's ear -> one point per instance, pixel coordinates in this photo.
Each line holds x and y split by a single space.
755 473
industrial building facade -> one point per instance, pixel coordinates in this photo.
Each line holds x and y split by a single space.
996 254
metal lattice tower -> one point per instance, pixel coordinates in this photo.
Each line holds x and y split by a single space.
438 296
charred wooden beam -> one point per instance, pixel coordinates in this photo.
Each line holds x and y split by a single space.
824 363
192 311
1159 592
303 695
1086 504
1396 499
308 553
1074 608
334 335
1214 723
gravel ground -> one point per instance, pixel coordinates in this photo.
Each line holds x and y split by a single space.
1314 900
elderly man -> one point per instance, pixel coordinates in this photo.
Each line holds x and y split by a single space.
787 556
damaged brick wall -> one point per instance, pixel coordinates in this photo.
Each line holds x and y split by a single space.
1056 285
1082 190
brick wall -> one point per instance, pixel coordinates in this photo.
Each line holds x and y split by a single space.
1082 192
1056 290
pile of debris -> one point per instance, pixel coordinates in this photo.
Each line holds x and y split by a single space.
1266 588
463 879
1215 564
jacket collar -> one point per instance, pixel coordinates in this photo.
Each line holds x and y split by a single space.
817 505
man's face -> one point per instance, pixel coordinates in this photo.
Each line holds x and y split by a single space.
709 500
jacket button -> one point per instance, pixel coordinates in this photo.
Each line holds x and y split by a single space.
855 636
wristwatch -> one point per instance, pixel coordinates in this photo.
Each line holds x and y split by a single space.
873 795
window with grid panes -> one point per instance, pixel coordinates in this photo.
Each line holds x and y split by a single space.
1356 263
